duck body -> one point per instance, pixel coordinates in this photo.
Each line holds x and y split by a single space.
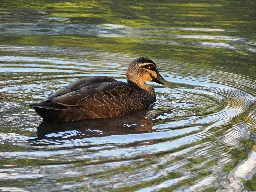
94 97
102 97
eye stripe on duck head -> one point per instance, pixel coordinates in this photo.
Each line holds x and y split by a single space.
150 66
151 70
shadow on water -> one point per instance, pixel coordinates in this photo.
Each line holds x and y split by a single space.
130 124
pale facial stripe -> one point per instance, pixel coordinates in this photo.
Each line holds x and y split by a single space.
149 66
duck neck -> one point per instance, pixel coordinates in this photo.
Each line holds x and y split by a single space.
144 86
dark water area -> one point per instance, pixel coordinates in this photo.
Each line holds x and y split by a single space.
199 135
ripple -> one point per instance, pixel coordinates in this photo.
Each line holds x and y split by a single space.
186 136
52 29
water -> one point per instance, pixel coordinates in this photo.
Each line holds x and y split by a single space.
199 135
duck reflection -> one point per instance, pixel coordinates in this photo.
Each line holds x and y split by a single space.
138 122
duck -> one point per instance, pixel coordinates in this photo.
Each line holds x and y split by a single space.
98 97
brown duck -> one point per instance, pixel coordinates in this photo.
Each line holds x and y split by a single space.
103 97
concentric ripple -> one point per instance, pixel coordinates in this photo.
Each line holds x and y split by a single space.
181 139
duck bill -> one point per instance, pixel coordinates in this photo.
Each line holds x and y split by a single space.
162 81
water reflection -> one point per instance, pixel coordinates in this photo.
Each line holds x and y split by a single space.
130 124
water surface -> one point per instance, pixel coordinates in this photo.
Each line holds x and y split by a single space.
199 135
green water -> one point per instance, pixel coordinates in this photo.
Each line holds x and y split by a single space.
198 136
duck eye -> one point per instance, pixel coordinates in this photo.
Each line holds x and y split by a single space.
151 67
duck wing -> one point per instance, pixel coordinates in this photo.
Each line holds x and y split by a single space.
81 84
93 91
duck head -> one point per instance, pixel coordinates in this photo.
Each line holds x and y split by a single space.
142 70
